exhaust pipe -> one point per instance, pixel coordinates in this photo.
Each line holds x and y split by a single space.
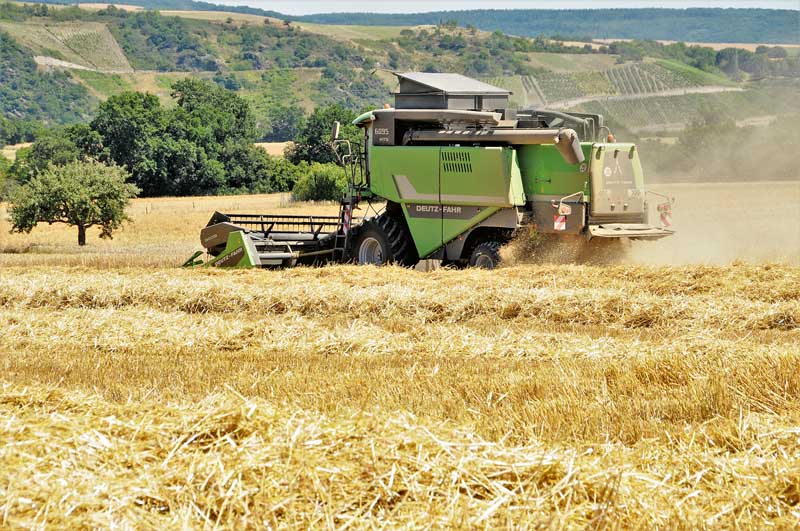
565 140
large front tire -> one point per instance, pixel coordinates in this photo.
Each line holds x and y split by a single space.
384 240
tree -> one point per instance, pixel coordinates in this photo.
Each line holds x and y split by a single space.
81 194
320 182
191 149
126 122
5 165
313 142
54 149
285 122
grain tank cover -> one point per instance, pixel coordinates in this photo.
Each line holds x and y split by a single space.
421 90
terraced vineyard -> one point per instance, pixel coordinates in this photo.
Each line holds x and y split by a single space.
635 79
644 78
93 43
659 112
87 44
558 86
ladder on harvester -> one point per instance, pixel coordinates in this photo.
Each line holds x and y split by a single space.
356 181
342 242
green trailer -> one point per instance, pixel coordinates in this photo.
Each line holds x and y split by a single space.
453 174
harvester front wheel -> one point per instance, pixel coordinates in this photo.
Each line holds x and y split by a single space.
486 255
384 240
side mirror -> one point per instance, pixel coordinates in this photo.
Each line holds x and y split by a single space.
335 131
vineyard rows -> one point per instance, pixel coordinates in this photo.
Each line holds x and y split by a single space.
87 44
630 79
92 42
681 111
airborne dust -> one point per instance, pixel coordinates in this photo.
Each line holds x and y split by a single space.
737 197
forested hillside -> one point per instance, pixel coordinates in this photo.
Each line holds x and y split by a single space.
703 25
698 24
57 62
26 93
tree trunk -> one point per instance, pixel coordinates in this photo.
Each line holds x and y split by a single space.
81 235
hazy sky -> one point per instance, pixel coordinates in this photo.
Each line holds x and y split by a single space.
302 7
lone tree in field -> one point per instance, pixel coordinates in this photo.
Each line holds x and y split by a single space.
83 194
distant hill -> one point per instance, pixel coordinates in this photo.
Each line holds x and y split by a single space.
697 25
775 26
188 5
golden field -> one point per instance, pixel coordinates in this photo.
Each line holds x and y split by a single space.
138 395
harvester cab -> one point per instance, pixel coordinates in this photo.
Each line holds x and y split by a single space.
451 173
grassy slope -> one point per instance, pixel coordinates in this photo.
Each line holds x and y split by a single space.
699 77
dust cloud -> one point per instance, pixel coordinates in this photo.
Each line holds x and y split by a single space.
715 223
722 222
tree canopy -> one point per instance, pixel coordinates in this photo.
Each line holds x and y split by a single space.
313 142
201 146
81 194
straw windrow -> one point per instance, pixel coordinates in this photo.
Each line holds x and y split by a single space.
343 397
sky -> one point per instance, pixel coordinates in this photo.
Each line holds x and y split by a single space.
304 7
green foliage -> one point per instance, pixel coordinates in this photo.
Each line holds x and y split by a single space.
285 122
81 194
59 147
155 42
769 62
217 115
14 131
313 143
203 145
5 181
251 169
451 49
26 93
19 170
320 182
126 122
351 89
55 149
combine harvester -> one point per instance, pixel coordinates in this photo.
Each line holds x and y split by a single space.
451 173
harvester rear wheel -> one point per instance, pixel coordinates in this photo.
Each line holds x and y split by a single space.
486 255
384 240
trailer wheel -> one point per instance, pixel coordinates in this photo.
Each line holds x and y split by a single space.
384 240
486 255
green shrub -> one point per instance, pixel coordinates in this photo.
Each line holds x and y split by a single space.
5 165
319 182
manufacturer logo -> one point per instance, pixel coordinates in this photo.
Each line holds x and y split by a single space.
231 259
443 211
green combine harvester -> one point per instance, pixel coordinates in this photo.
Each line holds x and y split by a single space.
451 173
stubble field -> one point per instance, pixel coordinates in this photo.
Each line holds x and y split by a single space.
637 395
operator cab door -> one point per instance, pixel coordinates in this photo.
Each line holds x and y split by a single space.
409 175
